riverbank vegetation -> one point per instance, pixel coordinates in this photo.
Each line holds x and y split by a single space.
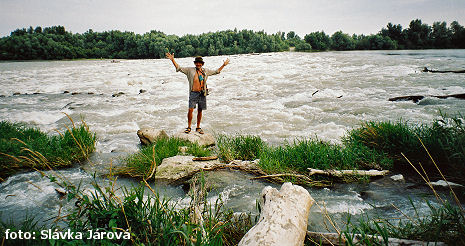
27 148
139 216
55 43
142 164
443 223
374 145
151 220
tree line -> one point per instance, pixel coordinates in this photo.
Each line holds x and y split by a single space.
56 43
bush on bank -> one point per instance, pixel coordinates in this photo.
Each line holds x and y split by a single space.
26 148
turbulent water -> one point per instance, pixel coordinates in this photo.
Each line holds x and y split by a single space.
278 96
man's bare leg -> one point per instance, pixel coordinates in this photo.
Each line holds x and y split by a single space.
189 117
199 117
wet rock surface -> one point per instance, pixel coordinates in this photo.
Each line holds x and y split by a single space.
176 169
205 139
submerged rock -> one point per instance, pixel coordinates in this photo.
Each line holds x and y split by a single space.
150 135
205 139
398 177
443 183
118 94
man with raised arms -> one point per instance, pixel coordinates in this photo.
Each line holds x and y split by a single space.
197 77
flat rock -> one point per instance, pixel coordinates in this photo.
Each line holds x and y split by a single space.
149 135
398 177
205 139
179 168
443 183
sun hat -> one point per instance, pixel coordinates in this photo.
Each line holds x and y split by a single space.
199 59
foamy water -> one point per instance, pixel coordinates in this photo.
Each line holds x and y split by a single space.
278 96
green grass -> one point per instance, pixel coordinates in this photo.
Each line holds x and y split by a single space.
300 155
150 219
373 145
304 154
239 147
444 139
443 223
141 163
26 148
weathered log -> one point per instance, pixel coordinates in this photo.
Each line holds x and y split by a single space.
340 173
417 98
442 71
206 158
283 219
335 239
299 179
459 96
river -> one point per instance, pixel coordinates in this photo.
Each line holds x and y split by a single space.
278 96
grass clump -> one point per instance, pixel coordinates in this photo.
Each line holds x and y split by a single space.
444 223
143 163
141 217
304 154
444 138
300 155
25 148
240 147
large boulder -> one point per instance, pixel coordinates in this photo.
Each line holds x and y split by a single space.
180 168
283 219
150 135
205 139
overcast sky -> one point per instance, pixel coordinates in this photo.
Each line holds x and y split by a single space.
199 16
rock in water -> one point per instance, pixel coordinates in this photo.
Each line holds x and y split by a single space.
284 217
398 177
149 135
205 139
179 168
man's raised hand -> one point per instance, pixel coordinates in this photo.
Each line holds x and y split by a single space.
226 62
169 56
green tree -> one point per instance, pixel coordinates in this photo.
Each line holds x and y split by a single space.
441 35
458 35
395 33
318 40
418 35
342 41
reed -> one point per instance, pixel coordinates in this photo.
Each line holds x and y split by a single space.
26 148
444 222
444 138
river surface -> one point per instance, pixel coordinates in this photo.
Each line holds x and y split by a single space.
278 96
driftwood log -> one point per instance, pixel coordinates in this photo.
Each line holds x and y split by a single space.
206 158
341 173
283 219
417 98
442 71
334 239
